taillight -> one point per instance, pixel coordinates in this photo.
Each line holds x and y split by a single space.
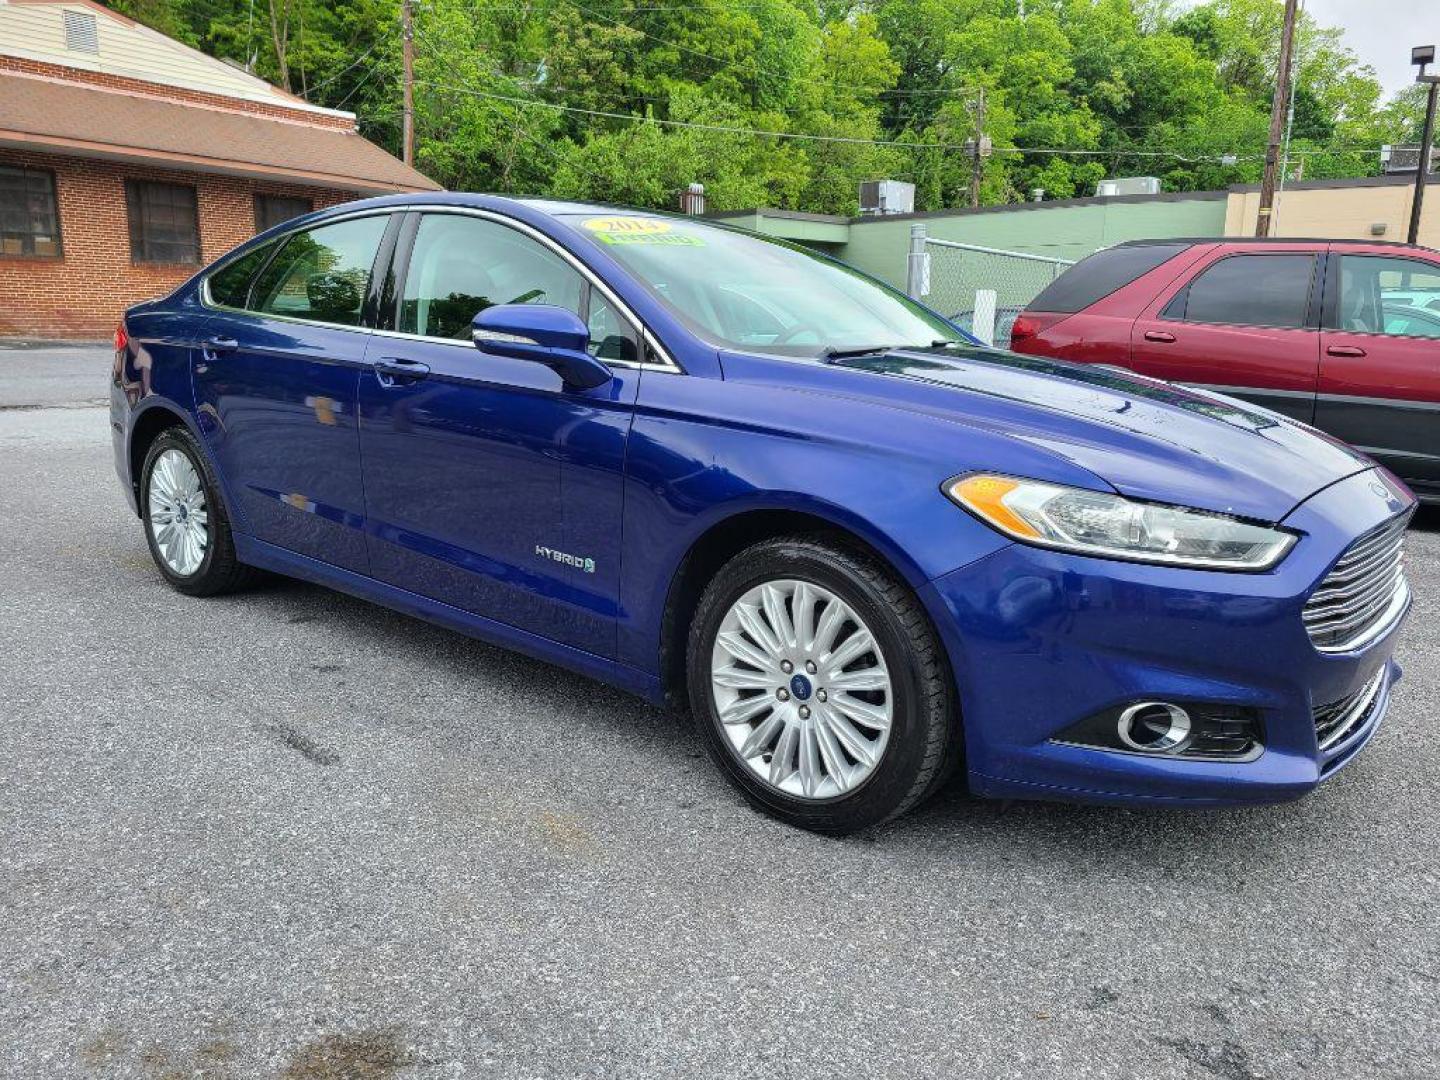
122 339
1033 323
1024 327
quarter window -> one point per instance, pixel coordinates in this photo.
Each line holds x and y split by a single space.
322 274
1381 294
164 226
231 284
1249 290
1099 275
272 210
29 219
461 265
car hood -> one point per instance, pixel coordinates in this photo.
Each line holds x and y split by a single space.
1147 438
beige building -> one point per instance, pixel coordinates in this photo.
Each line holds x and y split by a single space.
1375 208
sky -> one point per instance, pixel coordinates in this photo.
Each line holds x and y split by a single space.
1381 32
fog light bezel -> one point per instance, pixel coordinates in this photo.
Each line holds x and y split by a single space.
1178 732
1218 732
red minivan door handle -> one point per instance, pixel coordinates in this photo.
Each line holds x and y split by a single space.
1160 336
1345 350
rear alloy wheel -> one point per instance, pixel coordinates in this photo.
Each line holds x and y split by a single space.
185 523
178 513
818 686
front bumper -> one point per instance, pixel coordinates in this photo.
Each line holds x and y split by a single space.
1039 640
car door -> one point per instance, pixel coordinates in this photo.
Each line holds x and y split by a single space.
1380 364
276 384
490 485
1244 323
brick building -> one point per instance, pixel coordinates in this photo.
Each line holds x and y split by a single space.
127 160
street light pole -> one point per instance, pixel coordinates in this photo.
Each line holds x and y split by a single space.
1278 107
1421 56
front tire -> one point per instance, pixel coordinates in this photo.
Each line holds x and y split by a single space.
185 522
818 686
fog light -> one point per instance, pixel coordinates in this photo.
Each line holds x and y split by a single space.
1154 727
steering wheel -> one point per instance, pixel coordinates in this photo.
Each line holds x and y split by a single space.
789 336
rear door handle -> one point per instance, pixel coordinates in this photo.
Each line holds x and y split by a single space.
1162 336
398 371
1345 350
210 350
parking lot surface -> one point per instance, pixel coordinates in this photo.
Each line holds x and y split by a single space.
290 834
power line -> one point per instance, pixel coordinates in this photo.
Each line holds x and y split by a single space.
346 69
760 69
855 141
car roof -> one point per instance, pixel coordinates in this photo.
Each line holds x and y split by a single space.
1261 240
549 207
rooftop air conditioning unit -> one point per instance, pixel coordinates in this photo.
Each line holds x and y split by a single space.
1128 185
1405 159
887 197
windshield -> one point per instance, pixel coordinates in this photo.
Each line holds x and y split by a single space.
742 291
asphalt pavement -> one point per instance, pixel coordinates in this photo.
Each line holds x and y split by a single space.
290 834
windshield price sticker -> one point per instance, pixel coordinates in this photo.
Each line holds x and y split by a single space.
635 230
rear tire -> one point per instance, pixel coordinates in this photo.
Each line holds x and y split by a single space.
818 685
186 525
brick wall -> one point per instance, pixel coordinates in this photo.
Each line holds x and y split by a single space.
82 294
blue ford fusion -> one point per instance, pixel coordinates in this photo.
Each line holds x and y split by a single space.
725 472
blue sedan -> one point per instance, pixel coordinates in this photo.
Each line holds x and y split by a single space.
734 476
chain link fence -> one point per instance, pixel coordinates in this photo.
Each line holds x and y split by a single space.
981 288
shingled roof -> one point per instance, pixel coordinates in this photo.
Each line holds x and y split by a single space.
91 121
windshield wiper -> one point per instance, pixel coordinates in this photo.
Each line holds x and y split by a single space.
859 350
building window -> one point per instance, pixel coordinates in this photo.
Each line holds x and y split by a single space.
29 219
82 32
164 227
272 210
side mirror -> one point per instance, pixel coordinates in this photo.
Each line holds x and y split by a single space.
549 335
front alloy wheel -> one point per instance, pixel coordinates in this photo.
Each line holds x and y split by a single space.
801 688
818 685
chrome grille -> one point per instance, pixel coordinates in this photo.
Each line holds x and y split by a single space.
1335 721
1364 592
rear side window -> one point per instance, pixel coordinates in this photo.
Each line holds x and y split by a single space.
1386 294
230 285
1248 290
1098 276
322 274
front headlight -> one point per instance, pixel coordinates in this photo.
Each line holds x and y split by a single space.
1113 527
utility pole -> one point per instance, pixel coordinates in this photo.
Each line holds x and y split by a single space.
1421 56
407 31
977 163
1278 107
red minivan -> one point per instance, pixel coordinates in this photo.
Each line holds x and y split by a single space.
1344 335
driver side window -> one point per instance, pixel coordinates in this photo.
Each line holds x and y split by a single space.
611 337
461 265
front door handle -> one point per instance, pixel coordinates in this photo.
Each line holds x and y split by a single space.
394 371
1345 350
1164 337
